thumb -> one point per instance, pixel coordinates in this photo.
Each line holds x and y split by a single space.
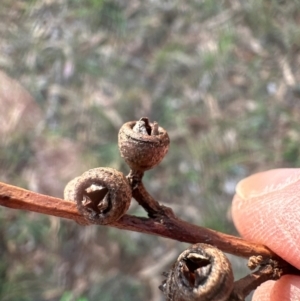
266 209
285 289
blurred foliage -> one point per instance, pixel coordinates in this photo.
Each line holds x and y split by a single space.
222 77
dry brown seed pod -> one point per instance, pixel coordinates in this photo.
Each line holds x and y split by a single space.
69 189
143 144
201 273
102 194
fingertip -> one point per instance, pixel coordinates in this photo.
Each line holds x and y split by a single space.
266 210
286 288
263 292
267 181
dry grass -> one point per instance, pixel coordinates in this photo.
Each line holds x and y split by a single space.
223 79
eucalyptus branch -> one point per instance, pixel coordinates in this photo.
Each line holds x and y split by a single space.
161 225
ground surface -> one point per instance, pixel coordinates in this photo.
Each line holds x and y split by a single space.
222 77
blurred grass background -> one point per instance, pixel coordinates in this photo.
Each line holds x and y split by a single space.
222 77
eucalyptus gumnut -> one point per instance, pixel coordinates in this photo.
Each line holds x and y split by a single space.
143 144
201 273
102 194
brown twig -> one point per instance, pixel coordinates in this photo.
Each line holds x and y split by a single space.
162 222
243 287
166 226
268 270
186 232
141 195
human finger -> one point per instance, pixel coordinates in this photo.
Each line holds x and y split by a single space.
287 288
266 210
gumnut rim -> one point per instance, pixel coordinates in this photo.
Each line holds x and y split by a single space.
143 144
201 273
102 194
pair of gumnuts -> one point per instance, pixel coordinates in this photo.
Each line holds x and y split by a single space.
103 194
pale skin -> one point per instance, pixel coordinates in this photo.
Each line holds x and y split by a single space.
266 210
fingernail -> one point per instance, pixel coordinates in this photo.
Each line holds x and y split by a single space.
267 182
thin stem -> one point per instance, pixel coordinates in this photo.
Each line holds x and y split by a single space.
244 286
180 230
141 195
165 226
267 271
